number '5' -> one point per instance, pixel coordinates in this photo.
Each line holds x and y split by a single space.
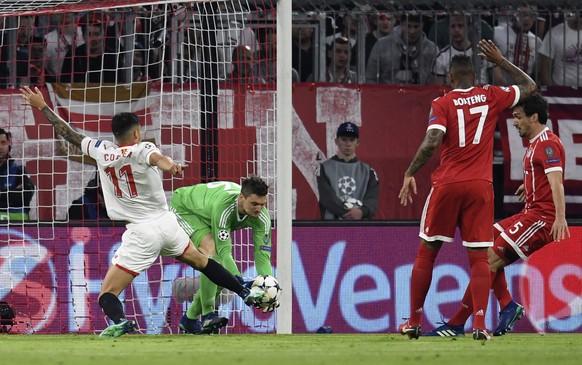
516 228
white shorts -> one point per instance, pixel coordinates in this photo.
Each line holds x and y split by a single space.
143 243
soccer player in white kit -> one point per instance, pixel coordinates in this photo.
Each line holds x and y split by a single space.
133 193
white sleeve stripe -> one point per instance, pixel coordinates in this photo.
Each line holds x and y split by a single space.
437 126
263 217
224 216
552 169
517 95
88 148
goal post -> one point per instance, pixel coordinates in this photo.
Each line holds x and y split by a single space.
284 164
204 79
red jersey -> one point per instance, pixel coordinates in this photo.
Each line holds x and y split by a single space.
468 117
544 154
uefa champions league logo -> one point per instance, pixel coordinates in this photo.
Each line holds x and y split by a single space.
27 274
223 235
347 185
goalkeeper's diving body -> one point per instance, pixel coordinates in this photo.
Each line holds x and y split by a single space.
209 213
133 193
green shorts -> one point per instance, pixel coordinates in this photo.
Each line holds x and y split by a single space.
194 227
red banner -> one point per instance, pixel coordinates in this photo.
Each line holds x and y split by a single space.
392 122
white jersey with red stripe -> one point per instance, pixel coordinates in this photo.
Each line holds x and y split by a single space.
132 188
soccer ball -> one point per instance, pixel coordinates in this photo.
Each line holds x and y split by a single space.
270 286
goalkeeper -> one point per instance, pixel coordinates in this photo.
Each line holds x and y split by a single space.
209 213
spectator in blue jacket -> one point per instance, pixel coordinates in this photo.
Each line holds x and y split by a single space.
16 187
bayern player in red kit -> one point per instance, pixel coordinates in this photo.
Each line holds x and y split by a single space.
542 220
464 121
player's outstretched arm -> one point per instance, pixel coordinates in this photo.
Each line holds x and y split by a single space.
165 163
490 52
36 100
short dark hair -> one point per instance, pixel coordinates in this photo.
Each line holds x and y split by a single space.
466 17
8 134
462 66
533 104
254 185
412 17
122 123
8 137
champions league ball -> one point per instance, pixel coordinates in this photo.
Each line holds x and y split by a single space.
347 185
270 286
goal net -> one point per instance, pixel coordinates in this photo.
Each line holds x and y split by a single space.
201 76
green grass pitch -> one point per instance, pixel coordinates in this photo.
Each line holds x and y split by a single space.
320 349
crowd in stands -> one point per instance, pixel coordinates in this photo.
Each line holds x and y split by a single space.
407 47
415 48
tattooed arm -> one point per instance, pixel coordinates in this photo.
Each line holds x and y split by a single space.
431 141
36 100
490 52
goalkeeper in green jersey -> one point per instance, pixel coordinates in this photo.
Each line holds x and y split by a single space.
209 213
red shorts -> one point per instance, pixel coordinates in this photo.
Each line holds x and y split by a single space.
467 204
521 235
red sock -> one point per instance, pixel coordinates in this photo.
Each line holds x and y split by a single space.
499 286
464 311
420 281
480 284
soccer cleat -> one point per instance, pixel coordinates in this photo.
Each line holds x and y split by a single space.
507 318
211 323
446 330
116 330
479 334
413 332
253 297
192 326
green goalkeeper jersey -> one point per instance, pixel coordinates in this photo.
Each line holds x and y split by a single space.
212 208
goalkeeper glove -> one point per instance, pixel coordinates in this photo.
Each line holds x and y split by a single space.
271 307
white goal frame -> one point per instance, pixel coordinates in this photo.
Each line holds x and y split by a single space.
284 167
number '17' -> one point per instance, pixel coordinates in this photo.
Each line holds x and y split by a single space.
483 110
